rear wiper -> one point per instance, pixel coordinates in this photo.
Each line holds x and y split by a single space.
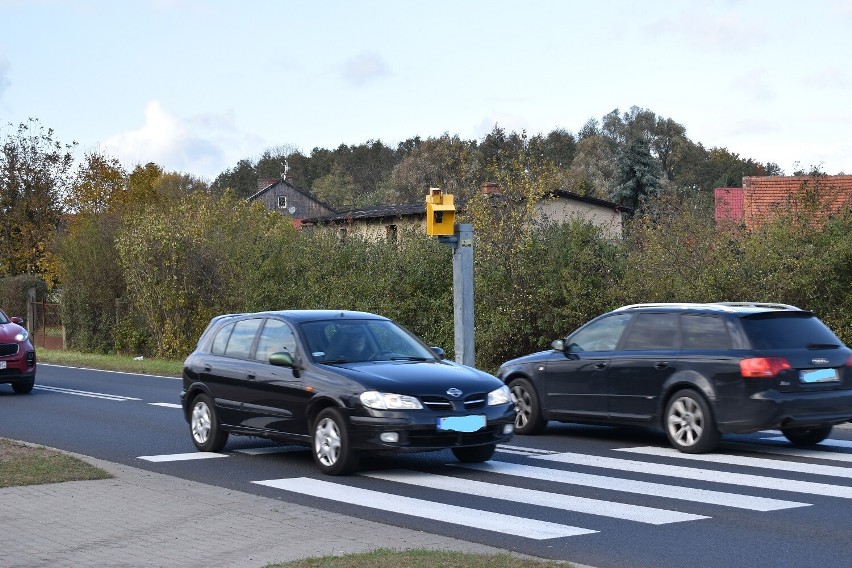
823 346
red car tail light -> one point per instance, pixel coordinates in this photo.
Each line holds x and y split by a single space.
763 367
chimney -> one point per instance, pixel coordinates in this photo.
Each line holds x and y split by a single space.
491 188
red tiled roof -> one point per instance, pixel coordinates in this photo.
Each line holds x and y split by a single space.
764 196
729 204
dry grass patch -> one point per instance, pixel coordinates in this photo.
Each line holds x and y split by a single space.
385 558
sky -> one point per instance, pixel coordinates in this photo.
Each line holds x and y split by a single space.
195 86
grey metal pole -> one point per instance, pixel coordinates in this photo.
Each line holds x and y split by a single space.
463 294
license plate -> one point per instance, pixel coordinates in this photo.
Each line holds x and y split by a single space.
818 376
462 423
2 364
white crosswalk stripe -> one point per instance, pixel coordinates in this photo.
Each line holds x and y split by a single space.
464 516
182 457
845 444
624 511
740 479
790 451
638 487
764 463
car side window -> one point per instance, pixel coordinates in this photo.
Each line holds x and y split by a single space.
652 331
242 338
221 340
275 337
704 332
602 335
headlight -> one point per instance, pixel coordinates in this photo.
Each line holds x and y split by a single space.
389 401
22 335
500 396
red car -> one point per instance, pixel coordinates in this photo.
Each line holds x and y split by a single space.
17 355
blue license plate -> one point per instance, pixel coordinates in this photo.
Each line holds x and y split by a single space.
462 423
818 376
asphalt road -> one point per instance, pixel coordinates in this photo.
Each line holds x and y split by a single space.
606 497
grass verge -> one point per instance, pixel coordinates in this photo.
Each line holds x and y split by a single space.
123 363
385 558
23 464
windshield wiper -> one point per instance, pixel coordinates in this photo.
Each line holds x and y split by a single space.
336 362
408 358
823 346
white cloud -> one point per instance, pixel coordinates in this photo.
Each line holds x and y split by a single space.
364 68
203 145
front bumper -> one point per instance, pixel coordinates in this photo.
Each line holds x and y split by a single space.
417 430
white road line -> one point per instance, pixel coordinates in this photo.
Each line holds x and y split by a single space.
741 479
165 404
101 395
182 457
272 450
763 463
474 518
824 444
790 451
509 448
623 511
638 487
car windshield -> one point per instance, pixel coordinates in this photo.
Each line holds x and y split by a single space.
789 331
353 341
3 318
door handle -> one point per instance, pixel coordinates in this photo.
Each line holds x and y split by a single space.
661 365
600 365
207 368
251 377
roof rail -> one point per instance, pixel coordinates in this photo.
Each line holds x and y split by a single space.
712 306
767 305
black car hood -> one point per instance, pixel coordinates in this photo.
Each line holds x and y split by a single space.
418 378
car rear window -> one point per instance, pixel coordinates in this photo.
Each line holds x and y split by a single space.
788 331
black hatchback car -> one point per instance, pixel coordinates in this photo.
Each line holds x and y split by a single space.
694 370
342 382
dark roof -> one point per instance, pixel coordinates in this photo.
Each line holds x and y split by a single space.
419 208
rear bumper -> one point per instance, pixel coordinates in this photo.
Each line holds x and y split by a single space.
774 409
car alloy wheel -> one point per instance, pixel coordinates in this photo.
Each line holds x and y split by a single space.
332 453
204 427
689 424
528 418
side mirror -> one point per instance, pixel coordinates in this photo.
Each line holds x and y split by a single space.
17 320
439 352
558 344
282 359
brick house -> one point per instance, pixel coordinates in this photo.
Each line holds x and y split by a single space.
761 197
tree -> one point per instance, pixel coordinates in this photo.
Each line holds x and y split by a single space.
97 181
637 175
34 176
446 162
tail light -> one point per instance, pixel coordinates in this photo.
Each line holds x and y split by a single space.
763 367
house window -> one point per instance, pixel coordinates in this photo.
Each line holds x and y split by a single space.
282 202
390 233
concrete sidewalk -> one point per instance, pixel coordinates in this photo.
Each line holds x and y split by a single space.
148 519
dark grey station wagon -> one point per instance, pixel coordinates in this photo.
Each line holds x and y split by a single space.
696 371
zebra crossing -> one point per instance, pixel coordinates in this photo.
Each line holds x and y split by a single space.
499 501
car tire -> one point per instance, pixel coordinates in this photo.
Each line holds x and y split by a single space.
331 446
807 436
528 419
689 423
204 427
474 454
23 387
